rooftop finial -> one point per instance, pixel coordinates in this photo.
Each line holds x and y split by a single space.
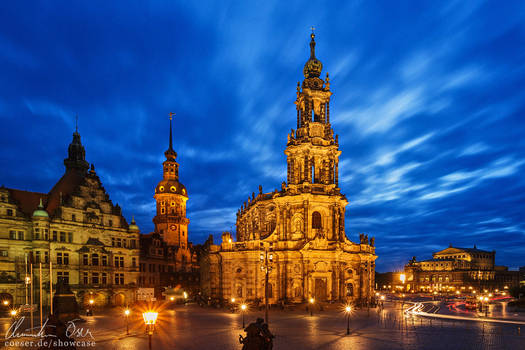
312 44
76 123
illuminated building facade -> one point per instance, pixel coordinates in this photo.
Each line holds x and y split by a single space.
301 224
167 258
455 269
76 228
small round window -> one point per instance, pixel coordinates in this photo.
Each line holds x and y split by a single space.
172 204
161 188
173 188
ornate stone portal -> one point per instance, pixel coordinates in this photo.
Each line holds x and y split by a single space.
302 224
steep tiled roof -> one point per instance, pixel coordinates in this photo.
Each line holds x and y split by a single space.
66 185
27 201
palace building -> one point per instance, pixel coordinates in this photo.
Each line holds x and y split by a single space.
74 227
456 269
167 258
301 225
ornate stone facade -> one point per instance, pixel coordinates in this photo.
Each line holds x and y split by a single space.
453 269
75 227
302 224
167 259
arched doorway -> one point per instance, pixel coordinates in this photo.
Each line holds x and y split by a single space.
120 299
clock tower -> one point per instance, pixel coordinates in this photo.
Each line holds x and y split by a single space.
171 222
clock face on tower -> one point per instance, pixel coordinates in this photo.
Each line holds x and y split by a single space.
172 227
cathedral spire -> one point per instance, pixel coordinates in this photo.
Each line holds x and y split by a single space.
170 153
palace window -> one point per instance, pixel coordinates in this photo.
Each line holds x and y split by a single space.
112 241
55 234
134 262
316 220
64 276
46 257
94 278
119 278
73 217
10 212
85 259
62 236
12 234
119 242
119 261
110 222
21 235
94 259
37 256
132 244
70 237
104 278
85 278
104 260
63 258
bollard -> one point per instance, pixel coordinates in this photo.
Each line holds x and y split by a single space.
518 330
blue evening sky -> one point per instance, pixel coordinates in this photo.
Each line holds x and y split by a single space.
428 102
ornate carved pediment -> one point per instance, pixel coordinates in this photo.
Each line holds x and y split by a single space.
321 266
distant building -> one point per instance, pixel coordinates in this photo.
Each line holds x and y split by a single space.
76 228
454 269
299 228
167 258
522 275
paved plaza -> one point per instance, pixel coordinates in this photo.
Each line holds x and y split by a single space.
192 327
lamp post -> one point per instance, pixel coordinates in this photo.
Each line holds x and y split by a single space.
348 309
266 259
127 312
89 312
486 306
311 301
150 317
243 309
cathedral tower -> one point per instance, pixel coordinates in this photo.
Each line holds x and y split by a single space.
312 152
302 223
171 196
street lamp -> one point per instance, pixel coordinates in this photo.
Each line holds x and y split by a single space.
266 259
150 317
348 309
233 300
6 302
312 301
243 309
13 313
172 298
127 312
486 306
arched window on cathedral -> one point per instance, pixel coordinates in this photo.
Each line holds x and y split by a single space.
349 290
316 220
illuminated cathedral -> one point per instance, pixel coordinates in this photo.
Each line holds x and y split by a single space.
301 225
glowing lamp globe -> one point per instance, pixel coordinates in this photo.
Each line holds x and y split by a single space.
150 317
